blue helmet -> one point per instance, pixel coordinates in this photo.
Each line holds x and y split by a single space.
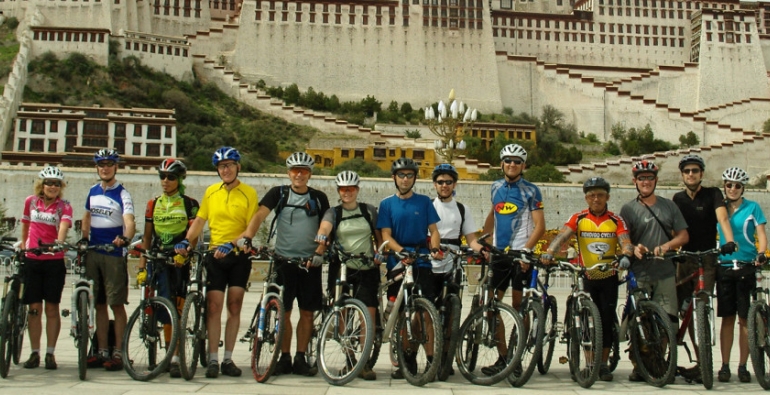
225 153
106 154
444 168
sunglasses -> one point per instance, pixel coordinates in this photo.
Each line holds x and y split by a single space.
52 183
223 166
300 170
445 182
729 185
405 175
592 196
516 161
106 164
691 171
645 178
170 177
346 189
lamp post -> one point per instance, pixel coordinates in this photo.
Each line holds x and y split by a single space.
449 122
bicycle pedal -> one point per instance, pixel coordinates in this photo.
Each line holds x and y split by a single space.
563 360
65 313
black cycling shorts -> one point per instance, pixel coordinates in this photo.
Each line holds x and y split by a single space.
43 280
230 271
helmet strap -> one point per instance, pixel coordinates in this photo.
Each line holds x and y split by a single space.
447 198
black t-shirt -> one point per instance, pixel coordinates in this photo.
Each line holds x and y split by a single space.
701 217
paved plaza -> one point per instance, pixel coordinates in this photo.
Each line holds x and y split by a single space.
65 380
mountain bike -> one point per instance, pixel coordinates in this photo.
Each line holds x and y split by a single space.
551 323
648 328
82 303
143 350
490 346
759 331
449 307
347 334
13 319
533 314
699 311
192 324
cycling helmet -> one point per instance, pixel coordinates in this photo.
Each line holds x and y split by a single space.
347 178
225 153
645 166
404 164
596 183
300 159
735 174
173 166
51 172
444 168
107 154
692 159
513 150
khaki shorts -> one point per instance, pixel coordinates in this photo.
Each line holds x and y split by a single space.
110 275
663 292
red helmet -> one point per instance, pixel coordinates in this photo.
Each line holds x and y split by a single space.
645 166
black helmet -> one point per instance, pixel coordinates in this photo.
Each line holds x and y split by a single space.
692 159
404 164
594 183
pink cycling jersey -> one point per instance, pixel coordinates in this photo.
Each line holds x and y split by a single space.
44 223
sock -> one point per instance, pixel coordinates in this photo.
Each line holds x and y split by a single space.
299 355
50 350
213 357
175 359
285 355
228 355
105 353
36 351
726 366
117 354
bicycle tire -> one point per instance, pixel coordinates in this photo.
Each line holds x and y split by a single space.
451 332
319 317
192 327
585 342
6 332
19 328
550 334
265 351
143 336
703 316
655 355
614 356
82 334
377 343
475 337
203 339
342 353
414 363
533 343
471 352
759 341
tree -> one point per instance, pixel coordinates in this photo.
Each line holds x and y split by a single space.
406 108
393 107
370 105
291 94
689 140
638 141
544 173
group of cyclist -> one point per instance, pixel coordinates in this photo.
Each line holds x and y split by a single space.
305 226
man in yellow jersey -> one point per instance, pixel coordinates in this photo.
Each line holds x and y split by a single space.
600 234
227 206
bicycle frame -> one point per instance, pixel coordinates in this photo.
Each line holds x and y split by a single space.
689 315
270 289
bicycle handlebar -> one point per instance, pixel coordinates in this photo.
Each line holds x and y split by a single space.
79 248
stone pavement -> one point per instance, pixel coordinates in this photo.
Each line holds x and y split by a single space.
65 380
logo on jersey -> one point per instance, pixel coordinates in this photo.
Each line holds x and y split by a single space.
598 248
539 205
506 208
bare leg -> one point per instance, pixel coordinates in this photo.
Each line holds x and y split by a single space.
234 304
119 311
304 329
726 333
35 325
214 301
287 333
52 325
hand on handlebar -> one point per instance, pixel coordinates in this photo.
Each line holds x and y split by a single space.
437 254
624 263
761 259
546 258
182 247
728 248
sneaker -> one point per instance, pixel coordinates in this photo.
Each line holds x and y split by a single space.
283 366
410 362
212 371
397 374
229 369
368 374
114 364
174 370
743 374
33 361
496 368
635 376
50 362
605 374
724 374
95 361
302 368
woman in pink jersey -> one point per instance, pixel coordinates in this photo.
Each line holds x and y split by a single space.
46 218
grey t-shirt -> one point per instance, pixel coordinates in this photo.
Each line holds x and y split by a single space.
645 230
354 234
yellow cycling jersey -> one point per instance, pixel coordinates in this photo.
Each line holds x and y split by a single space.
228 212
597 239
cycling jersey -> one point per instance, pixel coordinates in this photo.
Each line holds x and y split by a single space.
44 223
408 221
228 212
744 223
513 204
597 239
449 228
170 218
107 208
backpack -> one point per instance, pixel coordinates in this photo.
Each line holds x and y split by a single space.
188 208
283 201
364 213
457 241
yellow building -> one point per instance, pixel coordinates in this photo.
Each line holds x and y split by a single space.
488 131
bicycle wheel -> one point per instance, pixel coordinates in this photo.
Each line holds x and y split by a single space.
312 345
82 334
345 342
551 333
414 350
483 342
585 342
19 328
144 353
653 343
192 337
377 343
265 350
451 331
759 341
703 316
614 357
203 336
6 332
534 328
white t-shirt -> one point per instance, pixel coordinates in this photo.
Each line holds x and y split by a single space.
449 228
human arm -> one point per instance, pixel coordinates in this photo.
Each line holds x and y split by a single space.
146 240
724 222
762 242
538 217
489 222
681 237
129 229
435 241
192 233
256 222
322 237
24 233
85 225
564 234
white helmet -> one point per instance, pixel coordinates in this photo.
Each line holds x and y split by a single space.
300 159
513 150
735 174
347 178
51 172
